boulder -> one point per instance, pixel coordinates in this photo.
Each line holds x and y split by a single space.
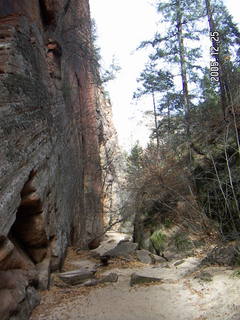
77 276
179 262
139 279
144 256
123 249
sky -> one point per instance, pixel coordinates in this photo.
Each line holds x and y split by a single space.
121 26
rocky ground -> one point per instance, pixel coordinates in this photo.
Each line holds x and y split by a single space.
183 289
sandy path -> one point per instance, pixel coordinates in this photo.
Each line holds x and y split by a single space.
179 297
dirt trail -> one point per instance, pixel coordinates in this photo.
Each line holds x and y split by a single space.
180 296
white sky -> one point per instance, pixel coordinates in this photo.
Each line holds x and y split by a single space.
121 26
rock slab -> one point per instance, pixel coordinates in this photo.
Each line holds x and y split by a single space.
137 279
77 276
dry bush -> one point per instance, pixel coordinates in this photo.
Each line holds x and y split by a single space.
162 191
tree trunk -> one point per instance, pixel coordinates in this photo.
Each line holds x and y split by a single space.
155 119
183 66
169 119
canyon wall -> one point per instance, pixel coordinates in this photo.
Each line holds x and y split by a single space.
51 135
111 162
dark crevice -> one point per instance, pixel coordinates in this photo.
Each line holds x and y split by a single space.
47 16
28 229
66 7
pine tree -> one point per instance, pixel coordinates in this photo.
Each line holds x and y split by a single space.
154 81
134 159
172 47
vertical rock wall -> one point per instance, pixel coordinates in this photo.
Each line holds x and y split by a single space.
50 172
111 161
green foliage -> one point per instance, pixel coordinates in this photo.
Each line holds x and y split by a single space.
110 73
158 240
178 45
134 159
154 80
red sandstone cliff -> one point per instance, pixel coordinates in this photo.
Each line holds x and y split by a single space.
50 172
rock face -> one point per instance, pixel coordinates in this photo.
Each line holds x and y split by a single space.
50 141
112 163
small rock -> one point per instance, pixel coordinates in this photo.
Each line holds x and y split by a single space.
77 276
111 277
179 262
138 279
104 260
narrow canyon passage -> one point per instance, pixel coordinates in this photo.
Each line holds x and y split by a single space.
119 200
